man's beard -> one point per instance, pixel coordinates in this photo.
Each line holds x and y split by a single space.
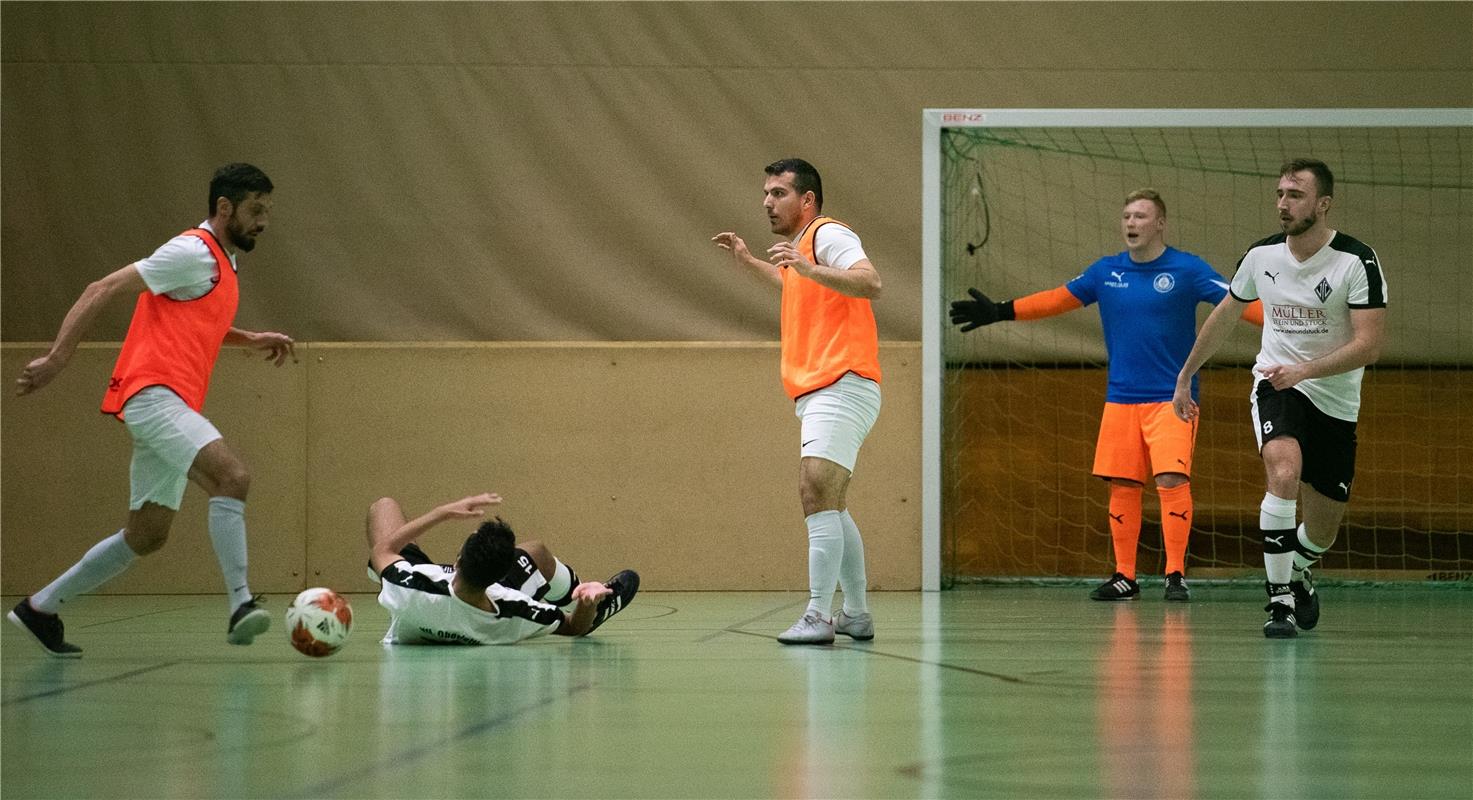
1297 227
241 241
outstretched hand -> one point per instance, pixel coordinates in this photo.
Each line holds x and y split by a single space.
469 507
731 243
589 592
974 313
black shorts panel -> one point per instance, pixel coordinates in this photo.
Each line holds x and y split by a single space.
1327 444
522 570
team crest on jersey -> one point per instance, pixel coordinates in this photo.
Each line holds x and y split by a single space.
1164 283
1323 290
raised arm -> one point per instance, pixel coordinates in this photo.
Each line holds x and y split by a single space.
1214 332
386 539
123 282
982 310
733 244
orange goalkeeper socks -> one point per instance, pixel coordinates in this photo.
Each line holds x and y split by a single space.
1125 525
1176 525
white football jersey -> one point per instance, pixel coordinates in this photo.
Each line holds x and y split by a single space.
1306 310
423 610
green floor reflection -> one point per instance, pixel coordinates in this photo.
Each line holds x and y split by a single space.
978 692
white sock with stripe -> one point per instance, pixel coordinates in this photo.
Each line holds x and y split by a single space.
1306 555
560 588
1276 523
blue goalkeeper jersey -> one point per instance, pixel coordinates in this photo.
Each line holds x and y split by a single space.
1149 313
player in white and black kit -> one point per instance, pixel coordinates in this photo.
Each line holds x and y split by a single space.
1324 320
495 592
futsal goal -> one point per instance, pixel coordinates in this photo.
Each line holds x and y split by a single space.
1018 201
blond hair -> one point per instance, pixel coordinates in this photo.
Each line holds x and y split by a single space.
1147 194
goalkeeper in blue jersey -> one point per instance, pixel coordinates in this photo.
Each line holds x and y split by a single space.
1148 296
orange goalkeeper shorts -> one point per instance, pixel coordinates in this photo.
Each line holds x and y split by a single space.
1141 440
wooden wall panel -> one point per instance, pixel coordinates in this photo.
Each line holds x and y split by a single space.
677 460
64 476
1020 500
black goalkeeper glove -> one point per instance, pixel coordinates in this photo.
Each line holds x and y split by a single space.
979 311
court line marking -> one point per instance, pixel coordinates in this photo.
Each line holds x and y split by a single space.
736 628
399 761
939 664
85 684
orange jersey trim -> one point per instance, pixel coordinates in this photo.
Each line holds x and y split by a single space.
1045 304
1254 313
175 343
825 334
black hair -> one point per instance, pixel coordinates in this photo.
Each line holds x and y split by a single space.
805 177
234 181
488 554
1324 180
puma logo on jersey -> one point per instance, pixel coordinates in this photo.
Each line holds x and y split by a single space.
1181 462
1119 276
1273 276
1343 487
1120 518
1182 514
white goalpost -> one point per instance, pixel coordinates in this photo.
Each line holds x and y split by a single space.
1021 200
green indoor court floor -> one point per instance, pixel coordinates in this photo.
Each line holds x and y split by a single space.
983 691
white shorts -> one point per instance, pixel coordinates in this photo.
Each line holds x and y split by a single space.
837 417
167 435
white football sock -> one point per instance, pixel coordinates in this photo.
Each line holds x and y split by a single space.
228 534
560 588
106 560
1302 561
825 553
1276 521
852 579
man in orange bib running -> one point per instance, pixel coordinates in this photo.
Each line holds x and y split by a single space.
831 368
187 297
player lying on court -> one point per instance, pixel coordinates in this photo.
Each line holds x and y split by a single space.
496 592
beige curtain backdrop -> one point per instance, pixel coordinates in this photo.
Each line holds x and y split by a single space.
554 171
503 173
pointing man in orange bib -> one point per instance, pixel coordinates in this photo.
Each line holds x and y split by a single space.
831 368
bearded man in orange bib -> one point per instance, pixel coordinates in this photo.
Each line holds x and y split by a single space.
831 369
187 298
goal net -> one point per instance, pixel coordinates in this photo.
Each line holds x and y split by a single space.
1024 201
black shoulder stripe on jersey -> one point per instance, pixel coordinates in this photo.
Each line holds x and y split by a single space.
1264 242
399 576
1349 244
1239 299
542 615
